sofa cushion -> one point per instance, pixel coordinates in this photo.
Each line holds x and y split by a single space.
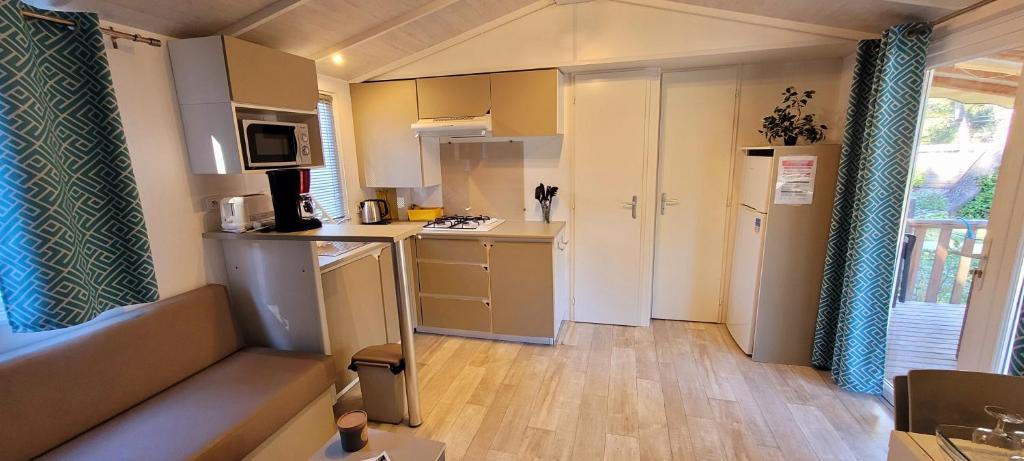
222 413
57 389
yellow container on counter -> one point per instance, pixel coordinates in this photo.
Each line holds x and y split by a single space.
425 214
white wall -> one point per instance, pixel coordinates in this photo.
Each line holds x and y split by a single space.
761 86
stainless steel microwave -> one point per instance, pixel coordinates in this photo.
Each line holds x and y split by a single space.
275 144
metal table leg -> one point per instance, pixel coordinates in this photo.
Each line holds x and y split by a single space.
402 284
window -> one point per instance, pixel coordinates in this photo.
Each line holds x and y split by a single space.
325 183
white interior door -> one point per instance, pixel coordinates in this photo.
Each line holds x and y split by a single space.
612 144
695 157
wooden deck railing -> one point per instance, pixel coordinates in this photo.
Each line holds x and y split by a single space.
934 239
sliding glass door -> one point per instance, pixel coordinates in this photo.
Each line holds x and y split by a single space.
952 224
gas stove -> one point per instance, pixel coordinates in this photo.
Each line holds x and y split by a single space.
477 223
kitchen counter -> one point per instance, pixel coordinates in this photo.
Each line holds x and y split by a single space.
518 230
275 280
390 233
508 283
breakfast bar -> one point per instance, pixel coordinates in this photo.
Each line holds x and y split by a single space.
275 286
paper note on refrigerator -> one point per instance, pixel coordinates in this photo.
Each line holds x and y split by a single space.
795 183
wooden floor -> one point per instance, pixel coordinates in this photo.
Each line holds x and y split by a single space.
922 336
674 391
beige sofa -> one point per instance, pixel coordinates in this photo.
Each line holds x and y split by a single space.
169 381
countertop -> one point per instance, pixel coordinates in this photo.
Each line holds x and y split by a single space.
394 232
332 233
530 230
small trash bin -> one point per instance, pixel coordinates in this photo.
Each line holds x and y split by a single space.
382 381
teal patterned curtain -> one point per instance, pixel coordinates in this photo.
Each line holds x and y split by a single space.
1017 347
72 240
856 291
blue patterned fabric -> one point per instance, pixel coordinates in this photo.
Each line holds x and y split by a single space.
856 291
72 240
1017 351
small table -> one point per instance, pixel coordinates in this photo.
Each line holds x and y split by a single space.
399 447
909 446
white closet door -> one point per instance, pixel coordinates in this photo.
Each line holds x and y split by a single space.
695 161
612 144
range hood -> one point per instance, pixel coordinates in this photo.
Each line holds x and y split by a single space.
453 127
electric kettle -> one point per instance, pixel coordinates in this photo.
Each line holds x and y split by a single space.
374 211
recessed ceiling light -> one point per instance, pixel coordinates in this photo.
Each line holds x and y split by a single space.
337 59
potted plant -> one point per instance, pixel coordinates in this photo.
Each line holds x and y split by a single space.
788 121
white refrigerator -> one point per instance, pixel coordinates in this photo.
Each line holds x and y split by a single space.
748 247
779 242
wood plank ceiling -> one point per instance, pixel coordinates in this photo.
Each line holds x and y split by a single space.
370 34
990 79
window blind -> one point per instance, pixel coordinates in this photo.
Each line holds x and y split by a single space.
325 183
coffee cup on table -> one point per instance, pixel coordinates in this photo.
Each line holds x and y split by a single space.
352 430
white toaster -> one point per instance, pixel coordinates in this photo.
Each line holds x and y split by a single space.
246 212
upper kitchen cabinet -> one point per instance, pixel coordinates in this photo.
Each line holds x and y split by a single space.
527 103
223 69
458 96
389 155
245 108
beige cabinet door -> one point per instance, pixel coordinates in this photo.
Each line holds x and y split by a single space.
459 96
389 155
525 103
522 289
284 80
355 312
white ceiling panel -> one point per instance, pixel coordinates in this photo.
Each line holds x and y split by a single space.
371 34
318 24
174 18
863 15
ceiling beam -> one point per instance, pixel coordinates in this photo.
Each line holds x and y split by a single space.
953 83
384 27
260 17
943 4
980 73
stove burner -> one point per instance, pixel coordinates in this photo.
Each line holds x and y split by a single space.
458 222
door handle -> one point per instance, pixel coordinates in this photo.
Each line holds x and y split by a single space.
667 201
631 205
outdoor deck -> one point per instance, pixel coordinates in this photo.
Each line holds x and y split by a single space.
923 336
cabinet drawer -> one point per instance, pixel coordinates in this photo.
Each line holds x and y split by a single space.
457 314
470 251
454 279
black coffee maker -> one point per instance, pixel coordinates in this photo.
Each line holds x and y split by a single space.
293 210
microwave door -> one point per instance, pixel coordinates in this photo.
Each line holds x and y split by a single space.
270 145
